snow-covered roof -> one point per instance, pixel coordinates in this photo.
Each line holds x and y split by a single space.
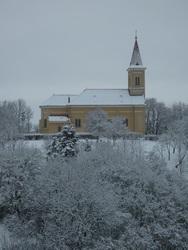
136 67
57 100
58 119
92 97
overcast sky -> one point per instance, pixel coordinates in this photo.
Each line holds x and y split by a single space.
64 46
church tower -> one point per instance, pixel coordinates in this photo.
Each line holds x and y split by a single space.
136 73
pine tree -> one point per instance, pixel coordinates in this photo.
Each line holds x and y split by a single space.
64 144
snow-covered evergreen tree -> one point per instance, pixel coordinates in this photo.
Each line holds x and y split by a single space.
64 144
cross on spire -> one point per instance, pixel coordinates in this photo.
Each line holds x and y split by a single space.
135 34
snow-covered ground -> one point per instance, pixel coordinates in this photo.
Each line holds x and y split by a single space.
36 143
147 146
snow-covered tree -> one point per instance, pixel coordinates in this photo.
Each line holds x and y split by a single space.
99 123
18 169
64 144
23 114
95 121
15 120
87 146
70 204
8 128
164 144
181 141
156 116
178 111
175 139
115 127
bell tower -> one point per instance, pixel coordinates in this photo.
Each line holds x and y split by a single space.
136 73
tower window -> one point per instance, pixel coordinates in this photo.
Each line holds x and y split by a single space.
77 123
137 80
45 123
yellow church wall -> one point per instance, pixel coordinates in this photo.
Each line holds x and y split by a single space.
52 127
139 120
134 114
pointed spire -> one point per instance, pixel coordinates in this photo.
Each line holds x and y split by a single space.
136 57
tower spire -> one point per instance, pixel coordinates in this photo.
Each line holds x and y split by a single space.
136 57
136 72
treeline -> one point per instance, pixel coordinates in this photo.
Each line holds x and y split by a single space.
15 119
160 117
171 126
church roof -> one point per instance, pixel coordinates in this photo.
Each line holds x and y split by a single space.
136 59
95 97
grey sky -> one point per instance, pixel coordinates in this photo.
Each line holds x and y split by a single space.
65 46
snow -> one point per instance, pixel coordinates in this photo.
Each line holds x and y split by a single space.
136 67
147 146
88 97
39 144
58 119
57 100
4 236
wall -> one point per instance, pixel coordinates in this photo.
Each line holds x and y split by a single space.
134 114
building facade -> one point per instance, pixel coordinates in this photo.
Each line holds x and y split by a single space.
127 103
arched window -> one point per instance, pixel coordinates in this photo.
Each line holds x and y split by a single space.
59 129
45 123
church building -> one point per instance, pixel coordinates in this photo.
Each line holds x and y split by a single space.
127 103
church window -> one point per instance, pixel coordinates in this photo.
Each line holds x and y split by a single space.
45 123
125 122
59 129
77 123
137 80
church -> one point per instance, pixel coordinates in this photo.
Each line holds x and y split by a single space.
129 103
